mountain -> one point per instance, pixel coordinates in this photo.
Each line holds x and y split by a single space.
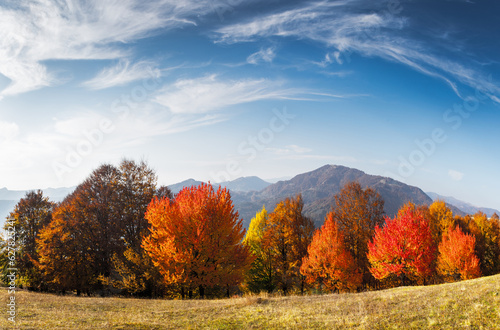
245 184
9 198
319 187
175 188
465 207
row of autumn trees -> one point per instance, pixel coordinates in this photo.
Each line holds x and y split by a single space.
119 233
357 248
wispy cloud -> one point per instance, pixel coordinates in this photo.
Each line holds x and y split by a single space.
8 130
34 31
123 73
264 55
289 150
347 28
209 93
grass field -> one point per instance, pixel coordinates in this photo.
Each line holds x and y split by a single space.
473 304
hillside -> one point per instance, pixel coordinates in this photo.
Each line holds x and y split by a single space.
465 207
473 304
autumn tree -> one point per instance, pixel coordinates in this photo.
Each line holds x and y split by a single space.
288 234
195 239
64 252
138 276
135 188
328 262
30 215
440 219
106 213
457 258
262 274
487 234
403 248
98 218
357 212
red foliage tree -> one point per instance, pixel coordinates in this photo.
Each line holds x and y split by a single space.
195 239
403 248
328 262
456 255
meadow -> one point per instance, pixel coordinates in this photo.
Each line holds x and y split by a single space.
472 304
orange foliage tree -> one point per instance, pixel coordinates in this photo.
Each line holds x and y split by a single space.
403 248
196 239
456 255
288 234
64 258
328 263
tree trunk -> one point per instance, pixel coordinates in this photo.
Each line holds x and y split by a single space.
202 291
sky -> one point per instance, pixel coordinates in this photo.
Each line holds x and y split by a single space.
219 89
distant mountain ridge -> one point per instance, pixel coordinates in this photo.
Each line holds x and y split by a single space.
465 207
245 184
318 188
9 198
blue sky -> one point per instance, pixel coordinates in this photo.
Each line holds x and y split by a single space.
215 90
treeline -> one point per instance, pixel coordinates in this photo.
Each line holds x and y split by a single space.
118 233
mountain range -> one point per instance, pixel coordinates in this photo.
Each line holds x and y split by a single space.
465 207
317 187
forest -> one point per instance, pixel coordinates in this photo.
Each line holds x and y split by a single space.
121 234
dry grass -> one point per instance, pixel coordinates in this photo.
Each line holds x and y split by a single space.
471 304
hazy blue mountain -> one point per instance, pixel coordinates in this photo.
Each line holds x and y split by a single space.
248 183
176 187
9 198
465 207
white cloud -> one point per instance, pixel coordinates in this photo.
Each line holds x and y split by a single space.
209 93
266 55
455 175
8 130
34 31
123 73
289 150
341 26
